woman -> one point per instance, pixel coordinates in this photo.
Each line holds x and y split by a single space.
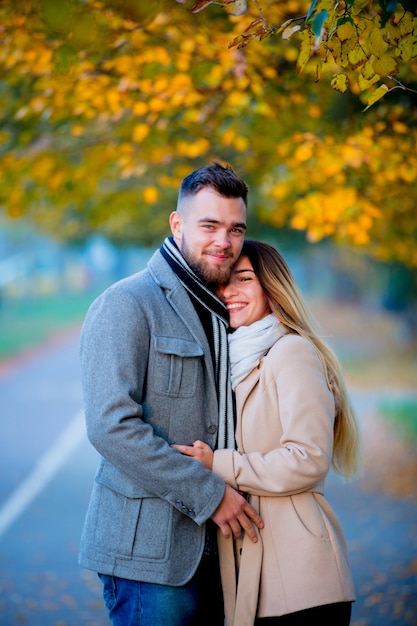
294 422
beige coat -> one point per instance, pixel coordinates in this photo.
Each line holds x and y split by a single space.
284 433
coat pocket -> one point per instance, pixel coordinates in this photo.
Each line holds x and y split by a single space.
309 513
126 526
176 366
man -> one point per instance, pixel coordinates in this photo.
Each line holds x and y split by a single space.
155 372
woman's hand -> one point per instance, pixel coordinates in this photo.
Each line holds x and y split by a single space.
199 450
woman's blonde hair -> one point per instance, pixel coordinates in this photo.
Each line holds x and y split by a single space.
288 305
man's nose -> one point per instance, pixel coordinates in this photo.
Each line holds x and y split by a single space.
223 239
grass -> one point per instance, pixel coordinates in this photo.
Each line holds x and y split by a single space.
403 414
25 324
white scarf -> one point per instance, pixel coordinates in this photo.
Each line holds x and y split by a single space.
248 344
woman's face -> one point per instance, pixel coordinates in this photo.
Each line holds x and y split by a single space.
243 295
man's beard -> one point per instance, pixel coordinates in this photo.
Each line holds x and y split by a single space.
206 273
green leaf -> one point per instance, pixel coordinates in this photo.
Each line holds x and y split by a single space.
343 20
311 10
318 21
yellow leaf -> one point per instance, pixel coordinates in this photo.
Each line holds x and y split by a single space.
361 238
150 195
228 137
279 191
377 95
140 108
392 33
241 143
407 173
364 83
160 85
139 133
304 152
298 222
346 31
315 234
385 66
156 105
305 53
352 155
340 82
314 111
193 150
400 127
357 57
235 98
376 42
407 47
407 24
77 130
368 71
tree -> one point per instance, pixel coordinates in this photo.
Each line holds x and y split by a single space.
365 41
106 105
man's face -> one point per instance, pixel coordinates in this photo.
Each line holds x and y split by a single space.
209 232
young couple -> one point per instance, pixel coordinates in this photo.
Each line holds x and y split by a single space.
214 439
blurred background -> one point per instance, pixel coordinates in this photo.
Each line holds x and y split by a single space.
105 105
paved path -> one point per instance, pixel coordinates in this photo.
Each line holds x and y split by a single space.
46 470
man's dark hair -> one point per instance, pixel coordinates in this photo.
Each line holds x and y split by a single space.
221 178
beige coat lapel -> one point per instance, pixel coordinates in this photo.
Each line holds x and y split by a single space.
245 388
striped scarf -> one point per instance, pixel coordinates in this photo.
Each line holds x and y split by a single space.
220 323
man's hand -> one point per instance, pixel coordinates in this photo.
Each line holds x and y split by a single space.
234 513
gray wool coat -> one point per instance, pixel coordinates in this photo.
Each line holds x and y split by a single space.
148 382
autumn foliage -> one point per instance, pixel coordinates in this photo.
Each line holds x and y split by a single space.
107 104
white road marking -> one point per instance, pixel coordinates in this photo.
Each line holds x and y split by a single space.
43 472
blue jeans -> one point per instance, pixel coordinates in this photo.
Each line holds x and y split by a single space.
199 602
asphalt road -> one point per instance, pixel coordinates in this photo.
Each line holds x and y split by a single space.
46 470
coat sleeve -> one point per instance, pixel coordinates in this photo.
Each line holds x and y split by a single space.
295 393
115 346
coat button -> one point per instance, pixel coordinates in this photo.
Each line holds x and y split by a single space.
212 429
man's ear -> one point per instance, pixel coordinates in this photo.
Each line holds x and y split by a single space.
175 222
